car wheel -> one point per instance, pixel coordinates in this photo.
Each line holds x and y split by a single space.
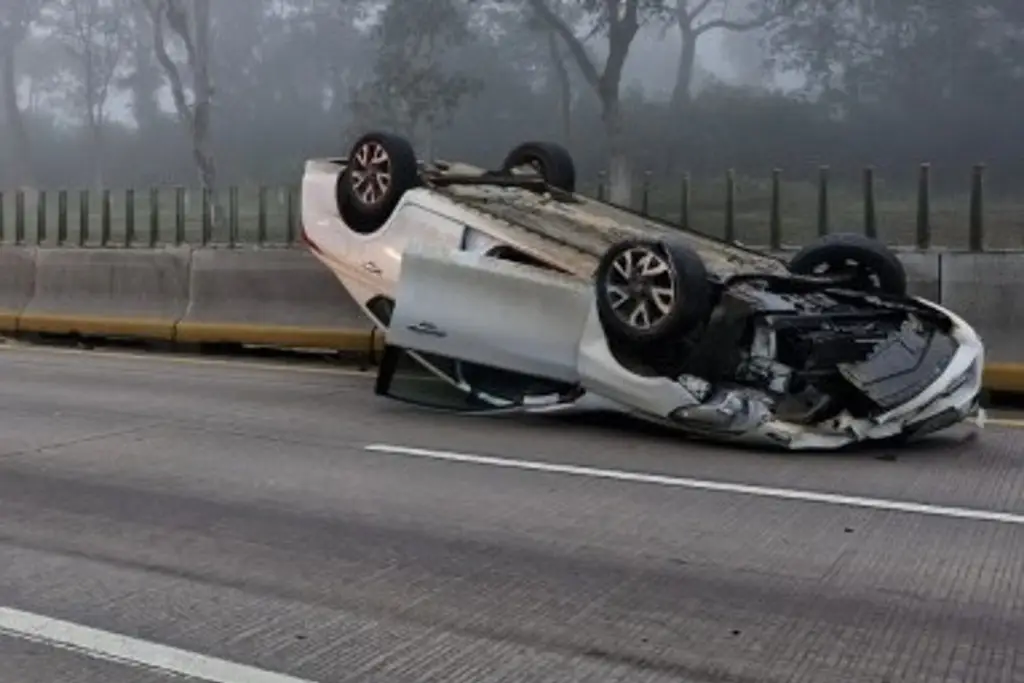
651 291
381 168
867 263
553 162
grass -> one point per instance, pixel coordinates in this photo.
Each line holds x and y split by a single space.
896 213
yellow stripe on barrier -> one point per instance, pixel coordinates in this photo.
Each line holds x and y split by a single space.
1001 377
1005 377
8 321
284 336
100 326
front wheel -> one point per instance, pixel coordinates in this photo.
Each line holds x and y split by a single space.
651 291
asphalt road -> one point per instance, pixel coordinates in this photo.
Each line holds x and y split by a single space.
232 512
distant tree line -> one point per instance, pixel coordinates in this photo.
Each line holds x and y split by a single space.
141 92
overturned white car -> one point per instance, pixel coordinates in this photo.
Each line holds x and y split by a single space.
515 293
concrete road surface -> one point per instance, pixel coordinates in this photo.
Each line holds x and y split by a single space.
227 521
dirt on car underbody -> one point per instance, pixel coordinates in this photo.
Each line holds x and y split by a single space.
575 233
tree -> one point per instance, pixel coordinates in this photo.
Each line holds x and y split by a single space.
413 87
564 80
557 61
899 56
619 21
697 18
92 33
143 78
189 22
16 17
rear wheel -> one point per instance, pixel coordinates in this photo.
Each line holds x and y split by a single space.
381 168
551 161
855 260
652 291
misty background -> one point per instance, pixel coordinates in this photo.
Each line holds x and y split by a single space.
136 93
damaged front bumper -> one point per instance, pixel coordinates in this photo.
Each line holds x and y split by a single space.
948 397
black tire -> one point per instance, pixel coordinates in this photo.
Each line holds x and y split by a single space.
364 203
872 265
684 275
552 161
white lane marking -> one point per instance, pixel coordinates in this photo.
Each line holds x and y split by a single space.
707 485
128 651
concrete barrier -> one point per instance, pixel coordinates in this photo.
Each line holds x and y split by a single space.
271 297
923 274
17 281
984 289
286 298
108 292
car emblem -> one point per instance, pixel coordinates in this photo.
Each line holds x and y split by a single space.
428 329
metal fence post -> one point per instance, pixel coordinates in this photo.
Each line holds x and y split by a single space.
62 217
977 224
730 205
645 197
924 230
823 227
207 222
261 217
775 219
290 208
179 216
105 218
41 217
870 217
232 216
154 216
19 217
129 218
83 218
684 203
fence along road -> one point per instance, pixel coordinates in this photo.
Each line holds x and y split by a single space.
781 209
233 510
977 283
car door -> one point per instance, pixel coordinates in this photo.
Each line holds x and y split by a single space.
502 335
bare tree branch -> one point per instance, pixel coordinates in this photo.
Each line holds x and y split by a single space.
575 46
157 9
731 25
193 27
692 14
